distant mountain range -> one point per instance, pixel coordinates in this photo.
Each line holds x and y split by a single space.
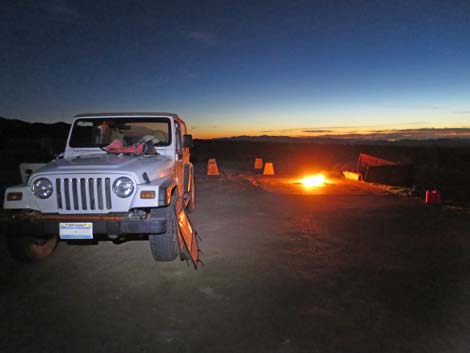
450 142
23 141
53 137
19 128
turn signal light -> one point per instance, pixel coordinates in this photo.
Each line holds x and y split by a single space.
14 196
149 194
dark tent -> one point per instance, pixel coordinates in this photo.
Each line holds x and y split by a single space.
378 170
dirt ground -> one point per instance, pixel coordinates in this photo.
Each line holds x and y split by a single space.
346 268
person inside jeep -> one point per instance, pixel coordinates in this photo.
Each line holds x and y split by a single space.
109 132
99 132
157 137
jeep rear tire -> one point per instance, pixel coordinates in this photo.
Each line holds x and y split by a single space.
164 246
29 249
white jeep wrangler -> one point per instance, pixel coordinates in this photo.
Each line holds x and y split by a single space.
121 177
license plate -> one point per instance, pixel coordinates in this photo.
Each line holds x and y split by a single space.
76 230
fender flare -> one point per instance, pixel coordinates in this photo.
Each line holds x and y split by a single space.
165 191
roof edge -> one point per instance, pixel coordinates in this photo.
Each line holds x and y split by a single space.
124 114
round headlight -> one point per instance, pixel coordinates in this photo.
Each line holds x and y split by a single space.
42 188
123 187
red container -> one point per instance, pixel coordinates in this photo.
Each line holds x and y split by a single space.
433 197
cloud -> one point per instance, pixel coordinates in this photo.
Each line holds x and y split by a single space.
375 134
410 106
61 10
317 131
296 130
462 112
188 72
204 38
403 134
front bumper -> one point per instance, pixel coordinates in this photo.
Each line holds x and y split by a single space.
37 224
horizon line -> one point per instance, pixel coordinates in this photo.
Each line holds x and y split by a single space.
333 133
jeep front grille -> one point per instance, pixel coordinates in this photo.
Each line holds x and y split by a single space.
83 193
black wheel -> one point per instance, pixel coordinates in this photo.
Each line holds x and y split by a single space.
29 249
164 246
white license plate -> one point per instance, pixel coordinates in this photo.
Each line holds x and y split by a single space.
76 230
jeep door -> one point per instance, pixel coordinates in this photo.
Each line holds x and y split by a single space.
179 158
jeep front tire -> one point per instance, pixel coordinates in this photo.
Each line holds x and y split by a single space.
164 246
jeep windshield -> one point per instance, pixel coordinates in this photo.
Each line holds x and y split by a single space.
100 132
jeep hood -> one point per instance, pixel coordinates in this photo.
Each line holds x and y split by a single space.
155 166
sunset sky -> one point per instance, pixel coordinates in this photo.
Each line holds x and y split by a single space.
242 67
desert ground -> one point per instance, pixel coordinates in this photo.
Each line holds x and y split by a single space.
343 268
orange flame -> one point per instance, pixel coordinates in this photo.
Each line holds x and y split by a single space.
313 180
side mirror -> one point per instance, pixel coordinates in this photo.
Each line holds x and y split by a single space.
187 141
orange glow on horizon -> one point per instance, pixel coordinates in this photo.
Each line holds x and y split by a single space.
389 132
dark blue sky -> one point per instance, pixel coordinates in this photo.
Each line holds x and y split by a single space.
241 67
